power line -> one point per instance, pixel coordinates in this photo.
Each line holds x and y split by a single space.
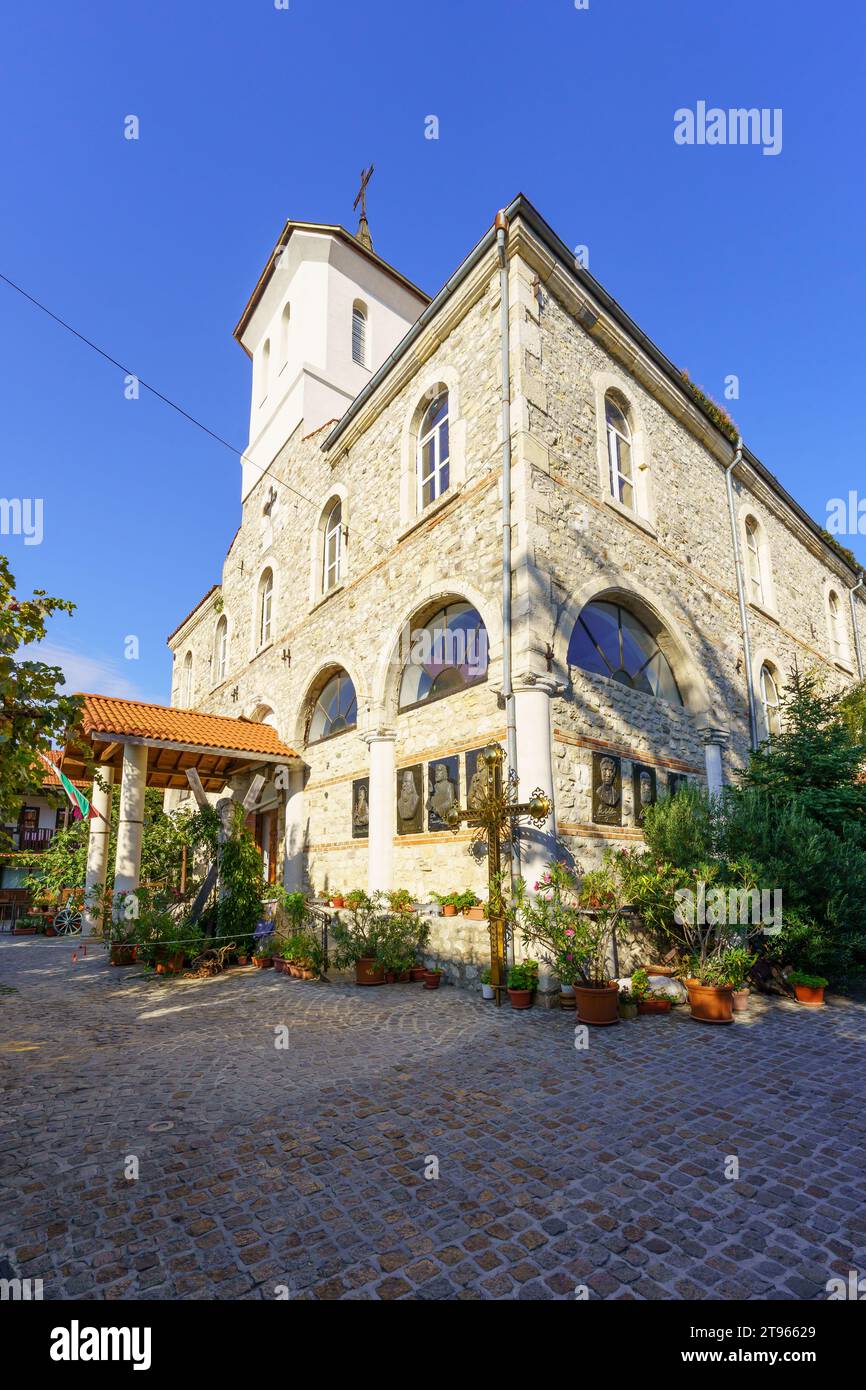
153 390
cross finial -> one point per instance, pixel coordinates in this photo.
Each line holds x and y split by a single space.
363 232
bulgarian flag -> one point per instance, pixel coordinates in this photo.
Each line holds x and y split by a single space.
81 807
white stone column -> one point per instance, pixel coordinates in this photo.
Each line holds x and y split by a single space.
383 801
535 771
127 861
293 873
97 850
715 741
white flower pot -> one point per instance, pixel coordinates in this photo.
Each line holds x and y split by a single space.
488 992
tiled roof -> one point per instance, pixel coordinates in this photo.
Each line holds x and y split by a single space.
50 779
106 714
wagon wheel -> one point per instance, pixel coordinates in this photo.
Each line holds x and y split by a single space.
67 922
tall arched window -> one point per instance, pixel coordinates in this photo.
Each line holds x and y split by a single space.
333 546
433 452
838 642
186 682
266 602
285 324
610 641
264 371
619 452
753 561
221 647
335 710
770 703
359 334
449 653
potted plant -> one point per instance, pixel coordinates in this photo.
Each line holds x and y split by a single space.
358 940
487 990
522 983
738 963
642 994
25 926
433 977
263 953
809 989
448 903
627 1004
337 899
472 906
400 900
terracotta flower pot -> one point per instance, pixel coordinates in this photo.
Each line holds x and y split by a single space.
475 913
810 995
49 930
740 1001
520 998
262 962
712 1003
122 954
281 966
654 1006
305 973
417 973
170 964
390 977
338 901
666 970
598 1006
368 971
23 931
432 979
449 910
243 960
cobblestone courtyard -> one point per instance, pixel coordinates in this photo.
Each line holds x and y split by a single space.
305 1168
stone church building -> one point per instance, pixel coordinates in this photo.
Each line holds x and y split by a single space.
662 581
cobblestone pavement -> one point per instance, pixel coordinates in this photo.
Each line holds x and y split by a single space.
305 1167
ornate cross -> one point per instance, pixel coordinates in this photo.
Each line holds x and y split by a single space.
366 175
492 813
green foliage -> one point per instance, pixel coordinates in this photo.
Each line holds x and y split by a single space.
33 711
242 885
466 899
799 977
640 985
484 977
523 975
400 900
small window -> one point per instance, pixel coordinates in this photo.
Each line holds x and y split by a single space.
285 324
619 453
359 335
770 702
336 709
433 452
333 546
754 564
266 600
221 647
837 631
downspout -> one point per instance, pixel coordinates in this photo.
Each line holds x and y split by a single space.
857 648
505 335
741 590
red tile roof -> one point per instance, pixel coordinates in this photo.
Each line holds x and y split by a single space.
105 714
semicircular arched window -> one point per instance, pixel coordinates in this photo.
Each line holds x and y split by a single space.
335 710
448 654
610 641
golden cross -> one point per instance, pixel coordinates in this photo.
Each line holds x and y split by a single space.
366 175
493 812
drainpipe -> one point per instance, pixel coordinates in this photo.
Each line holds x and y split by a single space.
851 593
505 335
741 589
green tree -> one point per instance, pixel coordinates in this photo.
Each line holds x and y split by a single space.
33 712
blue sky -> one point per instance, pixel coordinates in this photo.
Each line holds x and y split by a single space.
733 261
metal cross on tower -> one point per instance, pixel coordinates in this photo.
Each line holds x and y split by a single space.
493 812
363 232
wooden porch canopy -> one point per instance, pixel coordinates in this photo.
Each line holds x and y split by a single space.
216 745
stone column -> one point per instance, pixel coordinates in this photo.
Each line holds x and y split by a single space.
383 796
715 741
293 873
97 850
532 698
131 822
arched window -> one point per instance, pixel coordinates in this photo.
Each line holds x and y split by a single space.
449 653
610 641
333 546
433 452
838 642
285 323
266 602
770 701
186 683
619 452
754 565
359 334
336 709
221 648
264 371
